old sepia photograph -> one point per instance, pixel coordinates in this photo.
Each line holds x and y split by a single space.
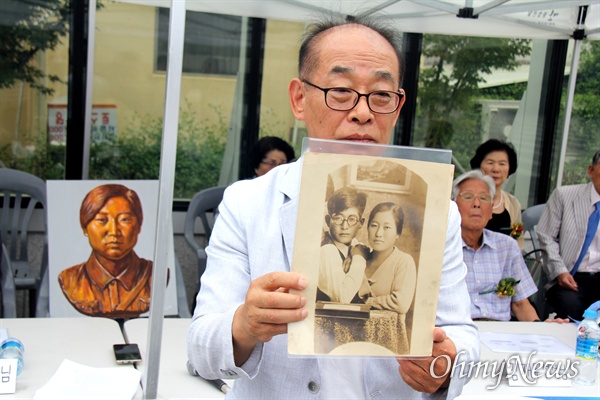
370 240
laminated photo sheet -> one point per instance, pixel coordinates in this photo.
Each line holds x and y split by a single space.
422 189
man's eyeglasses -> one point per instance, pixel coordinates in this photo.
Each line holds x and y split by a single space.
273 163
470 196
339 220
344 99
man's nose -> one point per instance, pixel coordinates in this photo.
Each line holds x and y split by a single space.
361 111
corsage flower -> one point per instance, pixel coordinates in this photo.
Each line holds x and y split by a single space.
505 288
517 230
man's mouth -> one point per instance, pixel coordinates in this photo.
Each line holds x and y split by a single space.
356 137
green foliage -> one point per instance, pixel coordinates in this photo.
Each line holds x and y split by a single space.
136 154
584 130
513 91
26 29
44 161
449 89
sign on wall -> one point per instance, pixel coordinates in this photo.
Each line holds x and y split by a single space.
104 123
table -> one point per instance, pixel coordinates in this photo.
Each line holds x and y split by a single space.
48 341
174 381
476 388
383 328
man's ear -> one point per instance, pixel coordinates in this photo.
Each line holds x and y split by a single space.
297 97
362 221
402 100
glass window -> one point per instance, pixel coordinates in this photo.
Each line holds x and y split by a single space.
127 84
212 43
282 44
584 128
34 76
472 89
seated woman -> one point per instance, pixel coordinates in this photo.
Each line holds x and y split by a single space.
498 159
390 275
270 152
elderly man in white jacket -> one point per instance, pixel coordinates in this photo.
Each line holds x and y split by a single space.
240 323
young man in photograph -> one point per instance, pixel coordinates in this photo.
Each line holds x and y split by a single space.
337 281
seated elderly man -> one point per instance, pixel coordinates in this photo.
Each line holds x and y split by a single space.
490 256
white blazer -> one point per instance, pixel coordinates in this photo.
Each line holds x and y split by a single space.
254 235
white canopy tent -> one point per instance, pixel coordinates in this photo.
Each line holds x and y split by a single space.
533 19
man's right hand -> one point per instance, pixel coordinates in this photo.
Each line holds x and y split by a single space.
269 307
567 281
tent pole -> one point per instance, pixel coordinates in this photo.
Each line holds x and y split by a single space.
164 223
578 36
89 84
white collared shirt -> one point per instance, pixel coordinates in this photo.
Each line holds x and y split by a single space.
342 378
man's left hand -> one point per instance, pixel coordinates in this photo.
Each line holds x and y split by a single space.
418 374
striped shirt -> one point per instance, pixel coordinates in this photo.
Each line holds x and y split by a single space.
498 257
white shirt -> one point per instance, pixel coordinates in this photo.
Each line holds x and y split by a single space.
342 378
333 281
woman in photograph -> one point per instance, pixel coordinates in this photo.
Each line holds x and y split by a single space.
391 275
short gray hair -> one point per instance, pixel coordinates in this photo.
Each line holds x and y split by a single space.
474 174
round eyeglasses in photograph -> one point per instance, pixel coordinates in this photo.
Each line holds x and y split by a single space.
339 220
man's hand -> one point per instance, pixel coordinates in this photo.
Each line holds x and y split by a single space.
558 320
269 307
417 373
567 281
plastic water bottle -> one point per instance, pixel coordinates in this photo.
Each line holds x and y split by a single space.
587 348
13 348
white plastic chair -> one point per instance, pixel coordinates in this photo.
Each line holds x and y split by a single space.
22 193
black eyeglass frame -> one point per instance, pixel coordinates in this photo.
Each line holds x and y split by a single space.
326 90
346 220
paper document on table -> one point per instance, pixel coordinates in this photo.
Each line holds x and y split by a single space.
81 382
524 343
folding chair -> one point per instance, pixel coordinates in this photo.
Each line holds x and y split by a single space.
22 192
9 303
531 217
204 205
